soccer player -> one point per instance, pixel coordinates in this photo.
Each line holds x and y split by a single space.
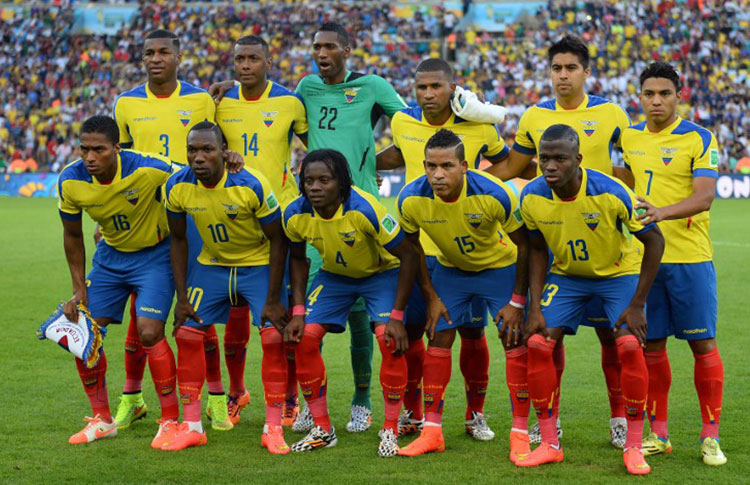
364 256
121 191
599 124
466 214
578 214
674 163
244 250
411 128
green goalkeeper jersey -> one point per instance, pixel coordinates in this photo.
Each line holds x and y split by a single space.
342 117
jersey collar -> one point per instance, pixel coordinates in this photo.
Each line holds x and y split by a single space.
668 130
582 190
174 94
448 123
581 106
220 183
116 178
264 94
336 215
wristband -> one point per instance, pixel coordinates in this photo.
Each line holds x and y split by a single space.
517 301
397 315
298 311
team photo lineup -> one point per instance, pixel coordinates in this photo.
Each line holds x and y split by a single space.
252 204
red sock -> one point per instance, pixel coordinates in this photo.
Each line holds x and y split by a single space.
393 374
475 366
516 369
273 374
191 370
95 385
437 374
709 382
659 382
311 373
634 381
558 357
414 363
164 373
213 361
291 375
236 336
135 356
611 368
543 385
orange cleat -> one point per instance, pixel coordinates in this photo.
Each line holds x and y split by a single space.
95 429
635 462
430 440
166 429
184 438
543 454
519 445
273 440
290 412
235 405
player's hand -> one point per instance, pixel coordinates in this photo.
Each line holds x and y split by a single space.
70 308
218 90
396 332
535 324
435 309
378 179
634 317
294 329
275 313
97 234
511 319
647 213
182 311
233 161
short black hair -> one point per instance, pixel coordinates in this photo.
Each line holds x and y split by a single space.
253 40
336 163
105 125
165 34
572 45
341 32
662 69
208 126
561 132
446 139
433 64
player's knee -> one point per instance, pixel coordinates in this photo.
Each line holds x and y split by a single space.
539 347
629 350
656 345
702 346
150 334
606 336
473 333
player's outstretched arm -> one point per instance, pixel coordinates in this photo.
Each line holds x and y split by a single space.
516 165
389 158
298 272
704 190
407 255
178 254
218 90
435 306
75 254
273 310
624 174
511 315
538 262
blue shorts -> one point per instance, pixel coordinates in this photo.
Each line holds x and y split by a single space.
316 263
212 290
595 316
458 289
116 274
332 296
683 302
566 298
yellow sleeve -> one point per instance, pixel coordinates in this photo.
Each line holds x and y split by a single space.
495 144
118 113
290 228
523 142
66 205
387 232
172 199
706 158
300 117
513 220
210 109
404 214
264 204
396 129
622 122
528 219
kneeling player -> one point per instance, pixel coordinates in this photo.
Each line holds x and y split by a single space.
579 215
465 213
361 247
243 256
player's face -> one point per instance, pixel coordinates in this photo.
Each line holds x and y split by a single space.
559 161
445 171
659 98
434 91
328 54
321 186
250 64
99 154
568 75
205 156
161 58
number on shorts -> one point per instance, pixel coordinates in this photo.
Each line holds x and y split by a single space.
195 295
548 292
313 296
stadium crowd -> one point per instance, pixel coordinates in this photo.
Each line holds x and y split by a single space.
52 79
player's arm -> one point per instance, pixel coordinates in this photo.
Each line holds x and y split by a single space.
704 189
273 310
407 255
538 263
517 164
435 306
511 315
219 89
624 174
299 268
178 254
75 254
390 158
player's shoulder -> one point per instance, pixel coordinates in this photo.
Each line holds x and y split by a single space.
187 89
75 171
138 92
480 183
595 101
419 187
250 178
546 105
363 203
408 114
231 95
298 206
639 127
182 176
279 91
599 183
132 160
686 127
536 187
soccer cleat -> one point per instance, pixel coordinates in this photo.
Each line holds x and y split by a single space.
543 454
535 434
217 411
96 428
618 431
273 440
388 443
235 405
360 419
183 438
477 427
166 429
431 439
519 445
635 462
317 438
290 412
304 421
407 425
653 445
131 409
711 451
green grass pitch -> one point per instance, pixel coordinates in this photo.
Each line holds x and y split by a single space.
43 403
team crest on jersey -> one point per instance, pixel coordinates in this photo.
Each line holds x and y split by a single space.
348 238
350 94
231 210
591 219
131 195
589 127
667 154
268 117
184 116
474 220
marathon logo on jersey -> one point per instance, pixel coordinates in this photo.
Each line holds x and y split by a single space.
589 127
351 94
131 195
231 210
667 154
389 223
184 116
348 238
474 220
268 117
591 219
